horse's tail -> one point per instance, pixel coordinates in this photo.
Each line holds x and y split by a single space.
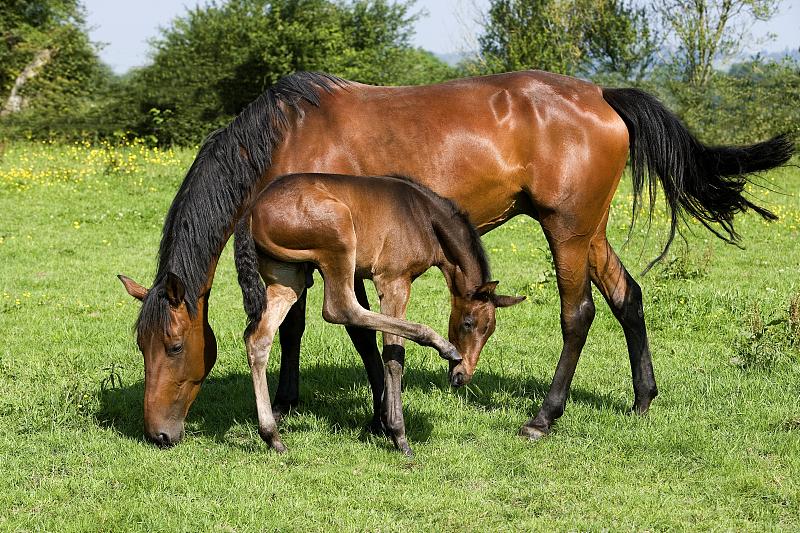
706 182
246 259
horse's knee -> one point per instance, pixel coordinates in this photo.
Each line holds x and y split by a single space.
580 318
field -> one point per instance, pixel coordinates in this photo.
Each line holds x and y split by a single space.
720 448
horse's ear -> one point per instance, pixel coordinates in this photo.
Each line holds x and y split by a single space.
500 300
133 288
175 289
485 291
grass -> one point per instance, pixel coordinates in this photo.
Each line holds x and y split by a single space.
720 448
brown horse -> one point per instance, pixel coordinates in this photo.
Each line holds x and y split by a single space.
331 222
527 143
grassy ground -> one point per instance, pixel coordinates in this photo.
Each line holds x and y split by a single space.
719 450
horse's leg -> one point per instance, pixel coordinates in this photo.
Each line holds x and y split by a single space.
571 259
367 347
291 330
394 296
624 296
285 284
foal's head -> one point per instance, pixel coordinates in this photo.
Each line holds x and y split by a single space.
472 322
179 350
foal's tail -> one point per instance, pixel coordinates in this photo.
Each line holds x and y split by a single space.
246 259
706 182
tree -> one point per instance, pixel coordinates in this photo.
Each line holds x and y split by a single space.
576 37
46 58
210 63
706 31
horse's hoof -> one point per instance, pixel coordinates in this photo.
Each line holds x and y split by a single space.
277 445
405 449
375 427
532 433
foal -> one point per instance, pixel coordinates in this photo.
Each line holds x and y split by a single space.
387 229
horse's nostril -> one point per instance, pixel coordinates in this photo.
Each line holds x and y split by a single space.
162 439
457 380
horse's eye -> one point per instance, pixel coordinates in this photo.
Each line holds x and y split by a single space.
468 324
175 349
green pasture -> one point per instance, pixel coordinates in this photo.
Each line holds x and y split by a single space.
719 450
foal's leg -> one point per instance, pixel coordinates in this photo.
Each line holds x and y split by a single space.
571 258
624 296
367 347
285 283
340 306
291 330
394 296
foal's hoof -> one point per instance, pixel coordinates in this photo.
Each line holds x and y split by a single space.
532 433
278 446
451 355
273 440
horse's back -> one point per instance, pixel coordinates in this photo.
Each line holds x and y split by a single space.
488 143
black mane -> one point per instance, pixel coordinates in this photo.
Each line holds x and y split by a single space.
455 213
228 166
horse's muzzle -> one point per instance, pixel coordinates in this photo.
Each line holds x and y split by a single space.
165 439
458 375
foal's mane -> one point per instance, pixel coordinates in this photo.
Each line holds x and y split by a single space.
221 178
454 218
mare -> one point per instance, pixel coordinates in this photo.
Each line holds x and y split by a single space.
530 143
330 221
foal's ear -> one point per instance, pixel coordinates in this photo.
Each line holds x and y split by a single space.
133 288
500 300
175 289
487 291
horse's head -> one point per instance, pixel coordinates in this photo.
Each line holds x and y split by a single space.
472 322
179 350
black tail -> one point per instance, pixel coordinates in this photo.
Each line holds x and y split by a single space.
703 181
246 259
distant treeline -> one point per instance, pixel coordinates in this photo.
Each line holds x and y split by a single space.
210 62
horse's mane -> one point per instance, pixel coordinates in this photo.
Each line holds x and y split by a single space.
228 166
454 216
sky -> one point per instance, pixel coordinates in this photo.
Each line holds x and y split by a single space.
447 27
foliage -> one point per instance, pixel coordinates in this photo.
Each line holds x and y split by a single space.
755 100
767 345
213 61
707 31
570 37
69 80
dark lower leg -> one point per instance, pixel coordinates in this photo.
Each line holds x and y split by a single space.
392 411
631 317
624 297
366 345
575 328
287 394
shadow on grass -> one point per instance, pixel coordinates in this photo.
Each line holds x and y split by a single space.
332 394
